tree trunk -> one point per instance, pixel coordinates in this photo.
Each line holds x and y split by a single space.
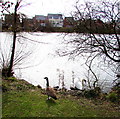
10 70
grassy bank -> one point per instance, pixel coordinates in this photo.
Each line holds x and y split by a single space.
21 99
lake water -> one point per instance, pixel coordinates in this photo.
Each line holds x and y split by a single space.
42 61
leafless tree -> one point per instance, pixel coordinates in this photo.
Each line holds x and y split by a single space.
14 37
16 56
98 33
8 61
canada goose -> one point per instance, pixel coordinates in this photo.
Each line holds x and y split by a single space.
50 91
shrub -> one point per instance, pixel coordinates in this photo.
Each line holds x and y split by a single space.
12 79
116 88
92 93
4 87
5 72
112 96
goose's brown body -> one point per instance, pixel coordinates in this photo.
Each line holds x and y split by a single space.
50 91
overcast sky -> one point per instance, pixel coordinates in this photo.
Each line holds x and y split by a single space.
49 6
43 7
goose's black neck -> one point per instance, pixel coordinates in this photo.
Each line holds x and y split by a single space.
47 82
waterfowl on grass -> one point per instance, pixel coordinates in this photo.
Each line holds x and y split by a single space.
50 91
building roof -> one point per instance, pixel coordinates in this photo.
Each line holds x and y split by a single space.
55 16
40 17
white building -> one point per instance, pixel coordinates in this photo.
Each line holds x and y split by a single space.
55 19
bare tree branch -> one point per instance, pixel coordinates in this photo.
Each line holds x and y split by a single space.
98 35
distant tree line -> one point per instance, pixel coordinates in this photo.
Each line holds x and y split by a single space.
95 26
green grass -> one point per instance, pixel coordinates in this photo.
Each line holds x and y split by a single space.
32 102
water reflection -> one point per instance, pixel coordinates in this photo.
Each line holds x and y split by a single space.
44 62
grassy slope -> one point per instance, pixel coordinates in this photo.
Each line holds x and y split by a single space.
24 100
